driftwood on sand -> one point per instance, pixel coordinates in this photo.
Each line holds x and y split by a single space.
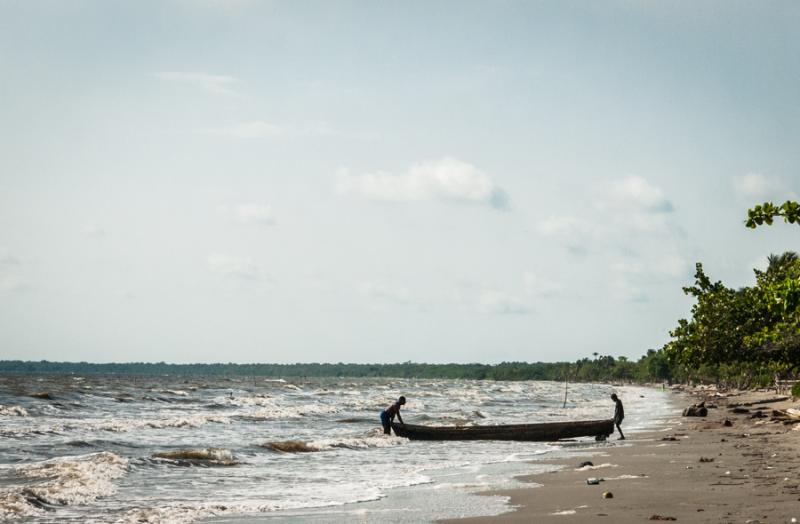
696 410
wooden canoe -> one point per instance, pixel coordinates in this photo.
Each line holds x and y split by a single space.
545 432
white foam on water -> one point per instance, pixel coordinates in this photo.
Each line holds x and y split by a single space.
182 514
358 465
357 443
599 466
176 392
283 412
13 411
117 425
13 504
66 481
565 512
189 513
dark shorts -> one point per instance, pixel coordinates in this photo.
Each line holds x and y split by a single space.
386 423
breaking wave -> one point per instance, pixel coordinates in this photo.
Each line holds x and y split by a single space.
64 481
299 446
13 411
182 514
200 457
118 425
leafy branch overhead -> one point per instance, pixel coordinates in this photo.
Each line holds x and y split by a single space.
765 213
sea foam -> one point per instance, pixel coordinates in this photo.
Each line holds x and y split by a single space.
65 481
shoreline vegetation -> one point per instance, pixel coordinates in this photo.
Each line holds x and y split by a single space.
650 368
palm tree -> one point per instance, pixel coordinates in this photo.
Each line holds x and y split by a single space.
779 265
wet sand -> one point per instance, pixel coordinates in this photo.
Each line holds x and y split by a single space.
699 470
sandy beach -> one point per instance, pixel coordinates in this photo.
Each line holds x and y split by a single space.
699 470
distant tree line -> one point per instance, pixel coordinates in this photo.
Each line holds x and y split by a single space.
651 367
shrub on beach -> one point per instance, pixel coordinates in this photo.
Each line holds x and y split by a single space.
796 390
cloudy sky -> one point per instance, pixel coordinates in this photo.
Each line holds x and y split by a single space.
374 182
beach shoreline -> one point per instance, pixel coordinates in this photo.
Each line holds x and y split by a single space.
697 470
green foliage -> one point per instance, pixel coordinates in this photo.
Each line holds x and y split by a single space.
741 336
796 390
766 212
602 368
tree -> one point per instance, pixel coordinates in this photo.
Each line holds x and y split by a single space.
766 212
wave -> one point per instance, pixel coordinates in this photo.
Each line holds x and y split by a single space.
354 420
13 411
300 446
200 457
176 392
289 446
63 481
117 425
181 514
269 411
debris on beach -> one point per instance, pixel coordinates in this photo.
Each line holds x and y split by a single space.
669 438
696 410
706 459
790 416
586 463
662 517
727 423
762 401
593 481
608 495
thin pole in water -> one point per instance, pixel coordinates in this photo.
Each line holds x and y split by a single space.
566 379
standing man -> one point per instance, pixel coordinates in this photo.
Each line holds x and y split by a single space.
619 414
388 414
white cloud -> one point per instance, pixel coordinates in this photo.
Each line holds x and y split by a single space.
672 265
759 187
636 192
240 267
629 278
634 205
218 84
579 236
447 179
656 267
254 214
499 303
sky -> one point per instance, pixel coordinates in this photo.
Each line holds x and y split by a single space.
334 181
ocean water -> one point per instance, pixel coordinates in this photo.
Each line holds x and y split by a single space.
124 449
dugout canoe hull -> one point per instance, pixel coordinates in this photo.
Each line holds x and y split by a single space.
544 432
